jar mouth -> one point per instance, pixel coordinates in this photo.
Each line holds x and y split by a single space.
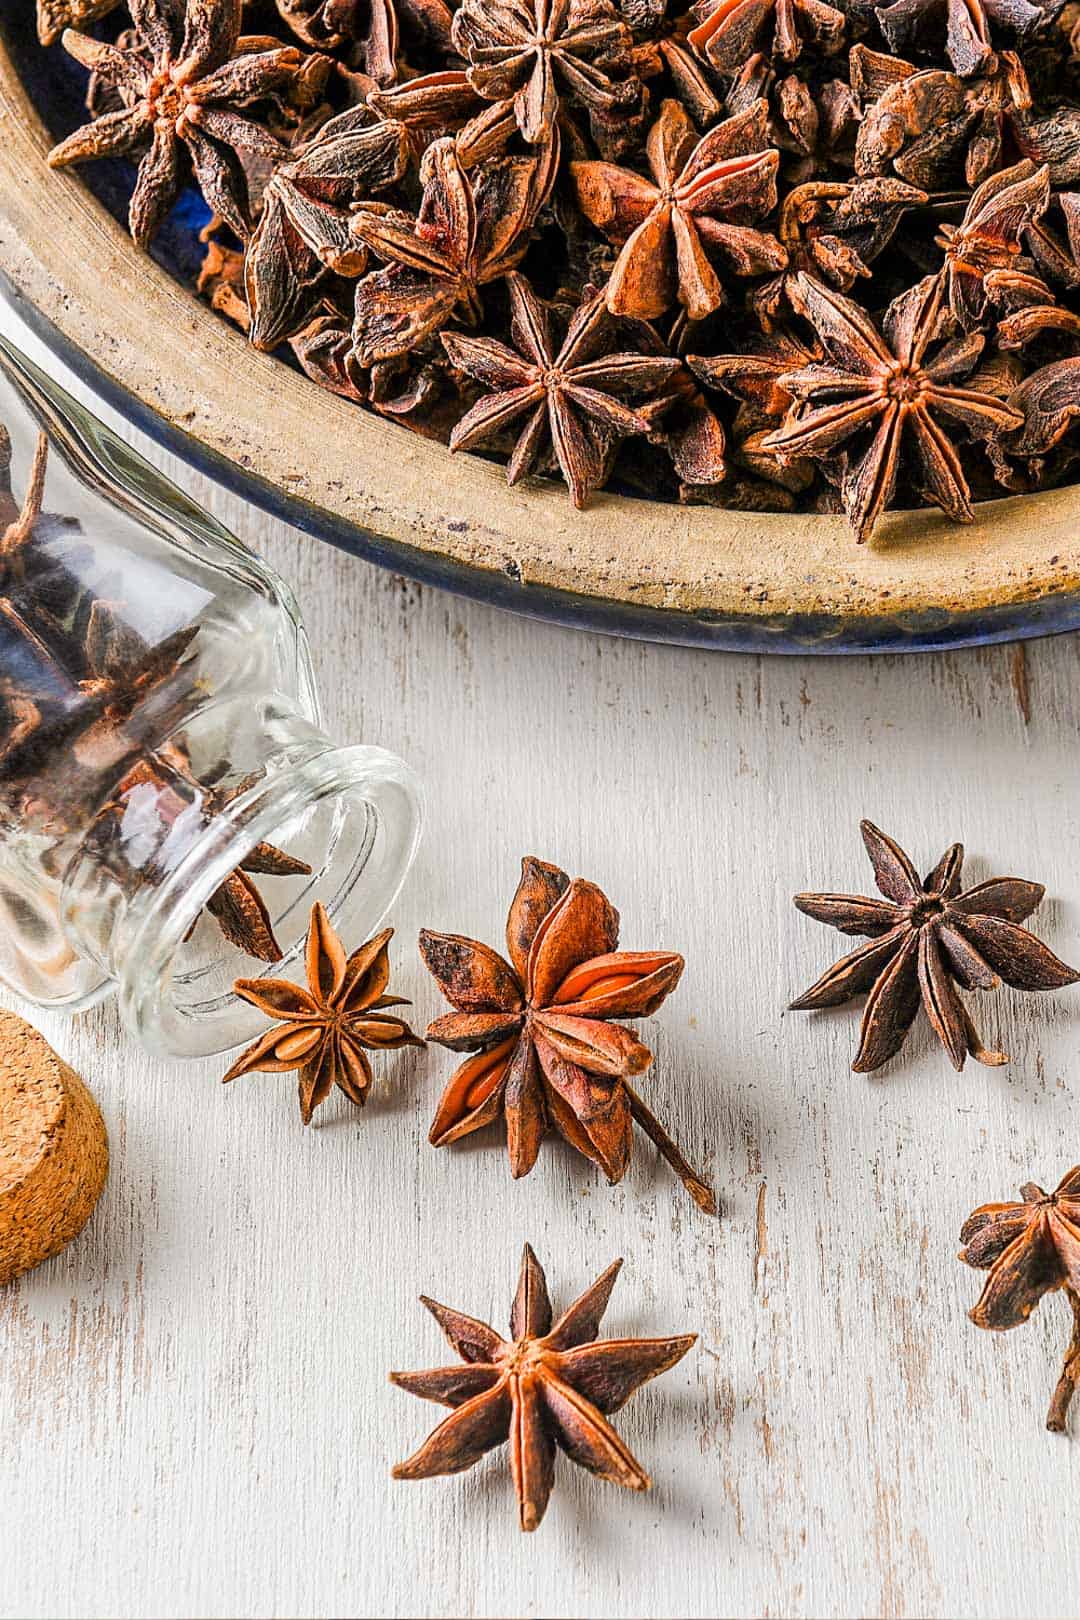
360 805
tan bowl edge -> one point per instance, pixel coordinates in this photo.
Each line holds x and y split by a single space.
151 338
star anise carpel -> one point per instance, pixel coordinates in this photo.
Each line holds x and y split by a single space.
550 1387
927 938
326 1030
881 395
546 1052
184 85
727 32
1030 1249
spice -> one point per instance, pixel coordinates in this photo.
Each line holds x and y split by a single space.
929 937
53 16
888 191
546 1054
1030 1249
326 1031
548 1387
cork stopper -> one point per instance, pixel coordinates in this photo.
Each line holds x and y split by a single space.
53 1150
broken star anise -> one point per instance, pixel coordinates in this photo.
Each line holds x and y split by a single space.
703 201
53 16
327 1030
549 1387
183 86
573 397
928 936
546 1054
891 387
1030 1249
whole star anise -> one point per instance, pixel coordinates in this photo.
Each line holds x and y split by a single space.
891 386
928 936
727 32
1030 1249
327 1030
547 1056
572 397
182 86
702 202
549 1387
533 50
472 229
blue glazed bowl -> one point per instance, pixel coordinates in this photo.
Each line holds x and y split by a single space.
129 325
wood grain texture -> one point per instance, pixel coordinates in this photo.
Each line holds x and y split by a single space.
194 1412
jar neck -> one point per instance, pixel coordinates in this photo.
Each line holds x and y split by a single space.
220 839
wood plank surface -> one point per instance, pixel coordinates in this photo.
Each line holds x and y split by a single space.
195 1417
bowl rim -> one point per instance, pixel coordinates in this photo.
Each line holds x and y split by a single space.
690 574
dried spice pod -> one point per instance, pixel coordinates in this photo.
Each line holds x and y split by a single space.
54 1153
546 1054
53 16
1030 1249
927 938
549 1387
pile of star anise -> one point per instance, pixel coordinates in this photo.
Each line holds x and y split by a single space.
802 255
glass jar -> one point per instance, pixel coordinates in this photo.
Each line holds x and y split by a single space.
170 806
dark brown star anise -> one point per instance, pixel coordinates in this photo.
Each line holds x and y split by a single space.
727 32
327 1030
471 230
547 1056
535 50
962 26
182 85
703 200
572 397
892 387
549 1387
1030 1249
927 936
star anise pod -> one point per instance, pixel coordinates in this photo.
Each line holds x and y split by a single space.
1047 402
327 1030
727 32
53 16
703 201
572 396
988 238
962 27
472 229
549 1387
892 386
926 937
368 28
431 107
533 51
183 86
1030 1249
547 1056
304 227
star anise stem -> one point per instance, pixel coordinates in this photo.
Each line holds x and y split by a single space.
668 1148
1070 1374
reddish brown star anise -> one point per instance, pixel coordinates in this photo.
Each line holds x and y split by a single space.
548 1387
569 396
988 237
471 230
925 936
889 385
728 32
533 50
1030 1249
53 16
703 199
546 1054
327 1030
183 84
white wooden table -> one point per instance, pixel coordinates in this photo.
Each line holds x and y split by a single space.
195 1417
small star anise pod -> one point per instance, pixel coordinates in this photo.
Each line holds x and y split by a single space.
1048 403
925 937
549 1387
472 229
535 50
572 397
728 32
546 1054
53 16
891 386
327 1030
1030 1249
988 237
703 199
183 85
962 27
304 227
